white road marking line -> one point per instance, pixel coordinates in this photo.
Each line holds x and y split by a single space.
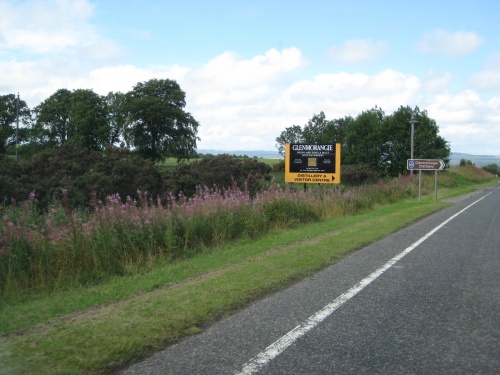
276 348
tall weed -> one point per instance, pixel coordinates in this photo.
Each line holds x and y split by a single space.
66 246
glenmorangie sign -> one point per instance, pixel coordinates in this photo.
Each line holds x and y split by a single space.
313 164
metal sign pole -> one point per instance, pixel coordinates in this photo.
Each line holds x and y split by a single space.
436 185
419 185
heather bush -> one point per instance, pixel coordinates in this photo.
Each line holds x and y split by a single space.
87 176
13 184
91 176
221 170
355 175
492 168
67 245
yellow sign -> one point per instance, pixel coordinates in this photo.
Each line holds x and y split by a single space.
315 164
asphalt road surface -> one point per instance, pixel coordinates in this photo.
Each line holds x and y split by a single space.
425 300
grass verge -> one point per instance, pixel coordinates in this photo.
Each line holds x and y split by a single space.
96 329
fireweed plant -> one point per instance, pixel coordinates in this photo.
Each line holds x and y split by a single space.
67 246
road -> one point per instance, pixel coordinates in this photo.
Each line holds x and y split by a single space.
425 300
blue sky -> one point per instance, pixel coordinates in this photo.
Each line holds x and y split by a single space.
252 68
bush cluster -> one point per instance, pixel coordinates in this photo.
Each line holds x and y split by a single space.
90 176
220 171
360 174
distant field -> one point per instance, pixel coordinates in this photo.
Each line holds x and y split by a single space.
172 162
479 160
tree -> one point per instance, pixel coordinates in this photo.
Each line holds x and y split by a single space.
88 118
396 148
379 142
8 118
428 144
158 127
317 130
117 115
292 134
464 162
79 116
53 116
364 139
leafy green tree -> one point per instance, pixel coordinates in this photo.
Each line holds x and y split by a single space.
374 140
53 117
428 144
88 118
80 116
396 147
292 134
8 121
317 130
116 103
364 139
158 126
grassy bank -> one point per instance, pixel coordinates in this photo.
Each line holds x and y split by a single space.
99 327
66 246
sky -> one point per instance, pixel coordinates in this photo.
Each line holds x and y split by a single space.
252 68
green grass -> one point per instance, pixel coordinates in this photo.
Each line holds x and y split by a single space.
455 181
92 329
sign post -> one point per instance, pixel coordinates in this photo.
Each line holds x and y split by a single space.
425 165
316 164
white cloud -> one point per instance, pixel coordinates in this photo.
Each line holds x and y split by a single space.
345 93
436 82
443 43
245 103
60 30
124 77
488 78
357 51
265 113
470 124
229 71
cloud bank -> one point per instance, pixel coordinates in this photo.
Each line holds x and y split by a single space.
245 102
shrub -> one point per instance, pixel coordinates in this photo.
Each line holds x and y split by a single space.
87 176
13 176
492 168
354 175
221 170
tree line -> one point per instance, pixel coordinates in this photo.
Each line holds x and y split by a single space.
150 119
373 139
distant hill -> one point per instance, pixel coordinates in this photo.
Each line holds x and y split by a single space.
254 153
479 160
